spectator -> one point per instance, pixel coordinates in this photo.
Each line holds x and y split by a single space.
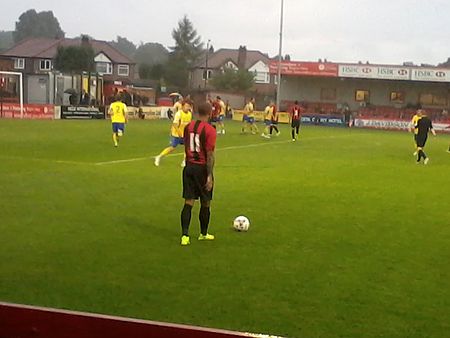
85 98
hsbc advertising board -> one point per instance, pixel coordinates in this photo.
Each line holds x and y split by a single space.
431 75
374 72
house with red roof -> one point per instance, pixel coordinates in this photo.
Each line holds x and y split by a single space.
251 60
35 57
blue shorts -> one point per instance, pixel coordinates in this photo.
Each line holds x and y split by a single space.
268 123
175 141
118 127
249 119
221 118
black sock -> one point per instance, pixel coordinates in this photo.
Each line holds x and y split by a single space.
276 129
271 129
204 216
186 219
293 133
422 154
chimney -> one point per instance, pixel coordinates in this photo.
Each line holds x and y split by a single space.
242 57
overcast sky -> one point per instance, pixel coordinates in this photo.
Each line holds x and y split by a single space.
381 31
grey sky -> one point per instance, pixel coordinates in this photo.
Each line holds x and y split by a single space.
380 31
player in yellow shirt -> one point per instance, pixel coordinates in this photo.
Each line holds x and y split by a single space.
221 116
181 119
268 116
119 117
414 127
249 117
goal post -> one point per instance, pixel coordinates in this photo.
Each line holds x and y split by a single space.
5 76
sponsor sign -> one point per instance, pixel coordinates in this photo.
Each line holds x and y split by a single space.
375 72
305 68
431 74
76 112
395 124
324 120
30 111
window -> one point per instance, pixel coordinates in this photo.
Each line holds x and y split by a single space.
104 68
328 94
362 96
123 70
45 65
262 77
432 100
397 97
19 63
207 74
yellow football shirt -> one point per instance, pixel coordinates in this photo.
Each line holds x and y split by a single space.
222 107
118 112
268 113
180 121
249 110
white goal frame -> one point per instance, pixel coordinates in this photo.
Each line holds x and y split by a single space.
20 75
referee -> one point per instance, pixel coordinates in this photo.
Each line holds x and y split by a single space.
424 126
198 178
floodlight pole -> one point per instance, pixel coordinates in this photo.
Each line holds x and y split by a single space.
280 57
206 61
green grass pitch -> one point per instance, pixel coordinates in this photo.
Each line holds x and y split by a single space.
348 236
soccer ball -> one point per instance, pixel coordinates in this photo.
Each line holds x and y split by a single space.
241 223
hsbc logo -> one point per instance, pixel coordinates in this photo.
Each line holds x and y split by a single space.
402 72
367 70
440 74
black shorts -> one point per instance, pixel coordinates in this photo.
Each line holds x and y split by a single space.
194 181
421 140
295 124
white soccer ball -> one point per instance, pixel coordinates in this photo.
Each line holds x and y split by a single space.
241 223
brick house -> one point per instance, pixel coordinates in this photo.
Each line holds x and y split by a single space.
35 57
251 60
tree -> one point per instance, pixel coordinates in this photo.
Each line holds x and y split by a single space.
125 46
33 24
231 80
6 40
186 52
177 71
75 59
155 72
145 71
188 43
151 54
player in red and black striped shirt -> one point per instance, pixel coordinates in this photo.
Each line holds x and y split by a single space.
198 179
296 115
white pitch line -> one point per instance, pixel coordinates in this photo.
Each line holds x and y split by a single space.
253 145
124 161
19 158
